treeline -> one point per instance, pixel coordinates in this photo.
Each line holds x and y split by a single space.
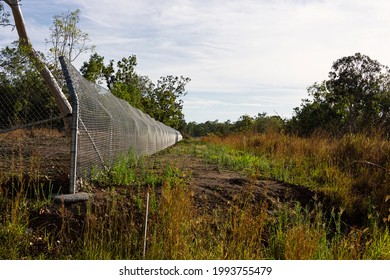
257 124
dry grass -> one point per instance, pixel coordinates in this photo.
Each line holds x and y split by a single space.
22 134
354 170
112 226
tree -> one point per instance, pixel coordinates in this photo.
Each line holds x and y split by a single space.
122 80
316 113
164 102
93 69
356 86
66 38
244 124
263 123
125 82
356 97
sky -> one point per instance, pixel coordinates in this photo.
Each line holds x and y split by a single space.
243 56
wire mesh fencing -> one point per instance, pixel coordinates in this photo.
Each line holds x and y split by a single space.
25 102
106 127
32 142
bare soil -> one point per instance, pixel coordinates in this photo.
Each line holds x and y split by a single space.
214 187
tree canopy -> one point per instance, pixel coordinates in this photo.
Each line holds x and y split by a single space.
356 97
245 124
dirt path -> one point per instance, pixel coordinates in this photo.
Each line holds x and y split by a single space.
215 187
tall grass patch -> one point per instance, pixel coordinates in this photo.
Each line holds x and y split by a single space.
353 170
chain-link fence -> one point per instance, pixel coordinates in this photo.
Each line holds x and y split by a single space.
32 142
32 137
106 127
26 102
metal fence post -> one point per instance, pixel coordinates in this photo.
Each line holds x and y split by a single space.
74 128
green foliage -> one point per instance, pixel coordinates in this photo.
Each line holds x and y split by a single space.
355 98
122 80
316 114
247 124
244 123
210 127
93 69
163 102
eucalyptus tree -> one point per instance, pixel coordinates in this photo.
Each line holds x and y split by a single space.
357 86
356 97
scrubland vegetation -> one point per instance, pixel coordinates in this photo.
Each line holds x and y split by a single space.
352 171
346 219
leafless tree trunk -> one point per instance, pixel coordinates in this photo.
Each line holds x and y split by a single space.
25 44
